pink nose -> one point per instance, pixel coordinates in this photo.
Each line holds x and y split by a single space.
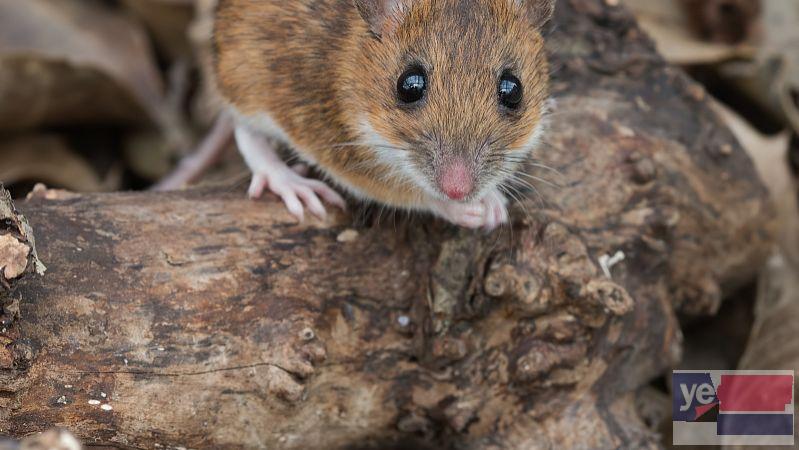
455 180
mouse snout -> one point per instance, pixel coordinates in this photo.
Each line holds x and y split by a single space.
455 180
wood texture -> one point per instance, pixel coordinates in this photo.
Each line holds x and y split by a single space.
203 320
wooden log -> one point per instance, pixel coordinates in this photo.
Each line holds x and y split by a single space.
18 259
200 319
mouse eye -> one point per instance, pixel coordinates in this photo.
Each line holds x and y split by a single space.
510 91
412 85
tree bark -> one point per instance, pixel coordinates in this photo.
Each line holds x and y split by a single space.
200 319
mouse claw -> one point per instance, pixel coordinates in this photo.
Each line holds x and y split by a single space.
327 193
496 211
488 213
311 201
468 215
471 216
292 203
297 192
290 183
257 186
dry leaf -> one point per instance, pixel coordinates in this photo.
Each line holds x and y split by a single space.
723 21
69 61
168 22
669 27
146 155
781 44
47 159
769 153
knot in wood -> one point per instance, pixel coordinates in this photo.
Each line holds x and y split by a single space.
538 358
414 423
283 386
450 349
307 334
507 282
609 296
644 170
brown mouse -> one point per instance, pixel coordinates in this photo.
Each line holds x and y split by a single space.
422 105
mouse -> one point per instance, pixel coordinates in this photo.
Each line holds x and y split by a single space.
426 106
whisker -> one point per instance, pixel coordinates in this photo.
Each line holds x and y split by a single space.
515 196
513 179
544 166
542 180
540 197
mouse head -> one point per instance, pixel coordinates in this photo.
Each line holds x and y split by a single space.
451 92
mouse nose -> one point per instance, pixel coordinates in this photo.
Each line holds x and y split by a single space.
456 180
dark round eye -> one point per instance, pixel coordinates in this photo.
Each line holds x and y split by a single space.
412 85
510 91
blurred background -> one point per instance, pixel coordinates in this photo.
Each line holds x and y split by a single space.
103 95
107 95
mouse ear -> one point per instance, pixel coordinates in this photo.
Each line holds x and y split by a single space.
383 16
538 11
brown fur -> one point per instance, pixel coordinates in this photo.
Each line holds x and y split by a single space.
318 68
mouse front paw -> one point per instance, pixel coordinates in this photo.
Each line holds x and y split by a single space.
488 213
296 191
